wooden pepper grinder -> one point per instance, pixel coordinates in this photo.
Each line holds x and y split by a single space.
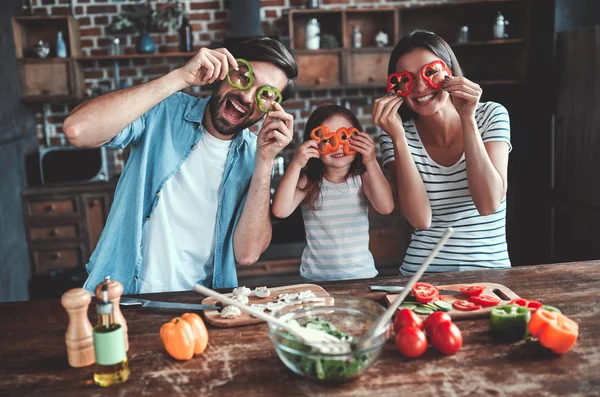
115 290
79 339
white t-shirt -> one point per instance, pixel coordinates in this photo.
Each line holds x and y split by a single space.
478 241
178 240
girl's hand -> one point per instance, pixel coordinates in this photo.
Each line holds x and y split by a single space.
364 145
207 66
386 117
465 95
306 151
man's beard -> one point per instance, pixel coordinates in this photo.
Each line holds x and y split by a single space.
220 123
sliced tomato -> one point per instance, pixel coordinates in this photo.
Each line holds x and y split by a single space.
472 290
425 292
465 306
485 300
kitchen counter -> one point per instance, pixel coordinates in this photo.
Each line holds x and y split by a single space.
242 361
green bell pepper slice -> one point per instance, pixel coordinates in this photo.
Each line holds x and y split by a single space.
550 308
266 96
509 322
243 78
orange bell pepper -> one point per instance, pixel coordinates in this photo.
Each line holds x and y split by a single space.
554 330
199 330
345 135
327 141
178 338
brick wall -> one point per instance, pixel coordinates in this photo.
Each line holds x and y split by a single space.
210 22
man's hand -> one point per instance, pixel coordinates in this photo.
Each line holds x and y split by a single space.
276 133
207 66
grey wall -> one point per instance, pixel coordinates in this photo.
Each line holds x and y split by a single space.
17 136
571 14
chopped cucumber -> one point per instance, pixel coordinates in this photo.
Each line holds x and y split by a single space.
444 306
422 309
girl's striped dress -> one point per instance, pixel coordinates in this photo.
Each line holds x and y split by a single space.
337 234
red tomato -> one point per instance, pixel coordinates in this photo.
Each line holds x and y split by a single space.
425 292
434 319
407 318
465 306
446 338
411 342
485 300
472 290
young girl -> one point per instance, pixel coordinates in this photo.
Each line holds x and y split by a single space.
448 154
333 189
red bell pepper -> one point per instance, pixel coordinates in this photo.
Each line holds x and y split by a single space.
533 305
400 83
434 73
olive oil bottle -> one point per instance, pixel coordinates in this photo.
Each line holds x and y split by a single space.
109 344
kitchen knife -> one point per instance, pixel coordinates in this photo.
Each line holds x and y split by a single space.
166 305
394 289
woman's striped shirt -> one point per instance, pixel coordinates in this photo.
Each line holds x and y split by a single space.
337 234
478 241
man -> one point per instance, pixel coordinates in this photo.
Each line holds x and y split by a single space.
193 198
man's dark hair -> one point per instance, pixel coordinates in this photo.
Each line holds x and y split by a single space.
419 38
272 51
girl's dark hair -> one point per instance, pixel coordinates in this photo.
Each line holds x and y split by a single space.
315 168
272 51
419 38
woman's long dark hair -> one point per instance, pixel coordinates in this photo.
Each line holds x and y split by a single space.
315 169
419 38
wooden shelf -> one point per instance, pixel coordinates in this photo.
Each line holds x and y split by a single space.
137 56
488 42
51 98
318 52
44 60
371 49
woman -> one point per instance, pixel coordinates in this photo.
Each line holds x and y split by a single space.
448 156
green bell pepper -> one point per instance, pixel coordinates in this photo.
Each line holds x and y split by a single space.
509 322
266 96
243 78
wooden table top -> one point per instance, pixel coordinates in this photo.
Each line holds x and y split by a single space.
242 361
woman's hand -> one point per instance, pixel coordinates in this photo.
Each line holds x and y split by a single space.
465 95
364 145
306 151
207 66
386 117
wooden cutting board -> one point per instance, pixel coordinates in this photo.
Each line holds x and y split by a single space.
214 317
496 290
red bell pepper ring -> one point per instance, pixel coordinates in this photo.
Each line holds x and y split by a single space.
533 305
400 83
327 141
345 135
435 73
485 300
425 292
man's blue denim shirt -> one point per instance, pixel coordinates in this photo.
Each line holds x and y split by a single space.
160 141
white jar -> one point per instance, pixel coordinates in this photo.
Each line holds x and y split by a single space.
313 34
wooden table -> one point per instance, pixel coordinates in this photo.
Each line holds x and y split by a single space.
242 361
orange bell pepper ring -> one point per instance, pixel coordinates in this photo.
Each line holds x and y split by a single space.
327 141
345 135
554 330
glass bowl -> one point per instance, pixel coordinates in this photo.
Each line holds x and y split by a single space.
352 316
